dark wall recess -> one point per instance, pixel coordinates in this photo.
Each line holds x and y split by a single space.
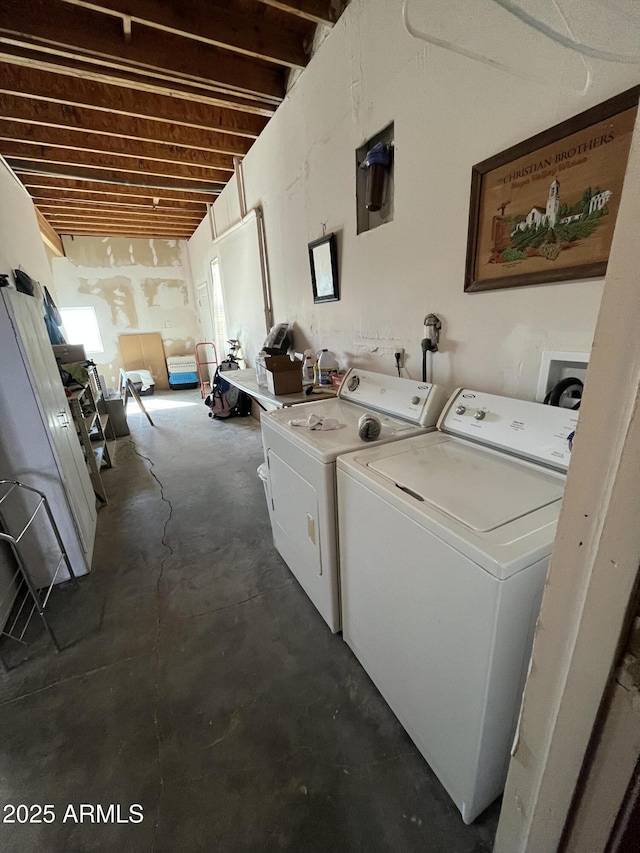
368 219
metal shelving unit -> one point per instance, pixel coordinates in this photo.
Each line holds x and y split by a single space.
93 431
20 598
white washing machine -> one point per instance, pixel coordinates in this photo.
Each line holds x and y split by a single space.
445 542
301 470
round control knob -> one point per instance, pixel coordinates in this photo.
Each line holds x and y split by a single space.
479 415
353 383
415 400
460 410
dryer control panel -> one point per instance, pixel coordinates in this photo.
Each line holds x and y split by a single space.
419 403
533 431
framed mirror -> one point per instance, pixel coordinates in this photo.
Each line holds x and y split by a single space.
323 258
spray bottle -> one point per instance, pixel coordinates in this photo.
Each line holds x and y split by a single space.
308 365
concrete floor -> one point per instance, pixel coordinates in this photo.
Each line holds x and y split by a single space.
199 681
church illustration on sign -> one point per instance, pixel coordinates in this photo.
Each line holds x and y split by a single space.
549 216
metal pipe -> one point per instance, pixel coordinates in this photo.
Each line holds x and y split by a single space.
264 269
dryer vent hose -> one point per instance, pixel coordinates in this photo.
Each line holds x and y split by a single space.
571 388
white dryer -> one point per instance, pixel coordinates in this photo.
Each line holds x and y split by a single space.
445 542
301 470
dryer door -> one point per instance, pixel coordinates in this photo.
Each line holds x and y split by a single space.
296 532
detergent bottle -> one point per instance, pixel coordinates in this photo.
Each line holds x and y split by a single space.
308 367
327 365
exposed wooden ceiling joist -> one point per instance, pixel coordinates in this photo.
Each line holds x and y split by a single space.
47 114
127 116
143 235
124 230
60 199
324 12
76 31
69 211
79 186
25 151
71 140
72 212
38 85
229 26
130 179
160 82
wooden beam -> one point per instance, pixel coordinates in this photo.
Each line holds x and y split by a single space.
79 186
43 196
124 229
69 211
93 121
113 162
79 141
44 85
135 179
76 31
76 214
158 83
107 231
49 236
184 228
231 26
319 11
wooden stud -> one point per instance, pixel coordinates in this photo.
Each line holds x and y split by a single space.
67 209
50 196
108 190
73 140
74 30
42 154
44 85
230 26
49 235
136 179
159 82
318 11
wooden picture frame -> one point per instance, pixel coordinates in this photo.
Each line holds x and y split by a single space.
562 190
323 259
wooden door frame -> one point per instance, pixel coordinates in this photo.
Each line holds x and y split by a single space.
594 563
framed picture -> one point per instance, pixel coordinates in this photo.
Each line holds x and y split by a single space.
545 210
323 258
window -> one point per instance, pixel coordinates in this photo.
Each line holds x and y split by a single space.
81 327
219 319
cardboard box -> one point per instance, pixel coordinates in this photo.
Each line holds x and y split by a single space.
283 375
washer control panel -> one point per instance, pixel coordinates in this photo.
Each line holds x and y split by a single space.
529 430
417 402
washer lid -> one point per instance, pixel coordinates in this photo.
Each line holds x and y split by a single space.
479 489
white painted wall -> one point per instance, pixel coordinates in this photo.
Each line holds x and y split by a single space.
20 241
449 112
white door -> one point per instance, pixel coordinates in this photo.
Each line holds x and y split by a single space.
45 376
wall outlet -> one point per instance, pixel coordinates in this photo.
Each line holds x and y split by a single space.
167 324
398 356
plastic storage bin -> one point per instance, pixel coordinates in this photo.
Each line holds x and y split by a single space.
182 364
183 380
